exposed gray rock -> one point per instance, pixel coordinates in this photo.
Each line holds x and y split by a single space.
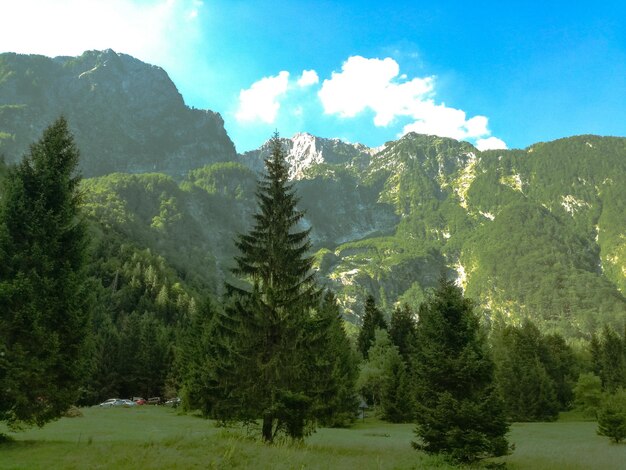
304 151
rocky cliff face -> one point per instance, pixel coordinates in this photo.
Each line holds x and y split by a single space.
126 115
305 151
338 204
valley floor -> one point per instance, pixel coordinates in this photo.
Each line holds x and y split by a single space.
160 438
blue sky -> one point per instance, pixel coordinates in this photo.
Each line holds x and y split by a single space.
493 73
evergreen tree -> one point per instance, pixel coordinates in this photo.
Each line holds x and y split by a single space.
562 367
528 390
375 372
44 318
402 331
459 412
397 400
612 363
384 378
104 379
130 370
334 362
612 416
196 359
373 319
267 337
595 349
588 394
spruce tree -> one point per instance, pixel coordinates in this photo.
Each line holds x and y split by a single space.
613 364
375 372
561 365
266 341
198 347
334 363
373 319
397 400
44 319
402 331
528 389
459 413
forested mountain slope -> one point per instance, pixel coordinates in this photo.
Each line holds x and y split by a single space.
126 115
536 233
539 232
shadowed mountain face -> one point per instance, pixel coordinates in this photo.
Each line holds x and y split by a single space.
537 233
126 115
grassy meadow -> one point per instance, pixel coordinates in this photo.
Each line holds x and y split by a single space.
160 438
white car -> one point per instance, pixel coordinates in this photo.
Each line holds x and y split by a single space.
112 402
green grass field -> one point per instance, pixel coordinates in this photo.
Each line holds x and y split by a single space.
159 438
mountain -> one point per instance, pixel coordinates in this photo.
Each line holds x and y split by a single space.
528 233
536 232
126 115
305 151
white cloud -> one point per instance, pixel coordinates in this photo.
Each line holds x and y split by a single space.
377 85
445 122
308 77
369 83
490 143
153 31
260 101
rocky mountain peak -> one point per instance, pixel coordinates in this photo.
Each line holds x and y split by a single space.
305 150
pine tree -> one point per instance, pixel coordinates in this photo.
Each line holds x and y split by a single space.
266 333
402 331
459 413
397 400
375 372
561 366
595 350
613 365
373 319
198 348
44 319
334 362
528 389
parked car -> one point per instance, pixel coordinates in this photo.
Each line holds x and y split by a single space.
128 403
154 401
173 402
112 402
139 400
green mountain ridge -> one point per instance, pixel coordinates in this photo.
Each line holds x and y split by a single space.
537 232
125 115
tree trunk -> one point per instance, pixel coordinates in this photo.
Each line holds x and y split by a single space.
267 431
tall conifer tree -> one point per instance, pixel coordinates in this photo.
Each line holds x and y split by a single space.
43 316
335 366
528 390
402 331
268 324
373 319
459 413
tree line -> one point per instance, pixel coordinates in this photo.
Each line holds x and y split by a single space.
83 321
